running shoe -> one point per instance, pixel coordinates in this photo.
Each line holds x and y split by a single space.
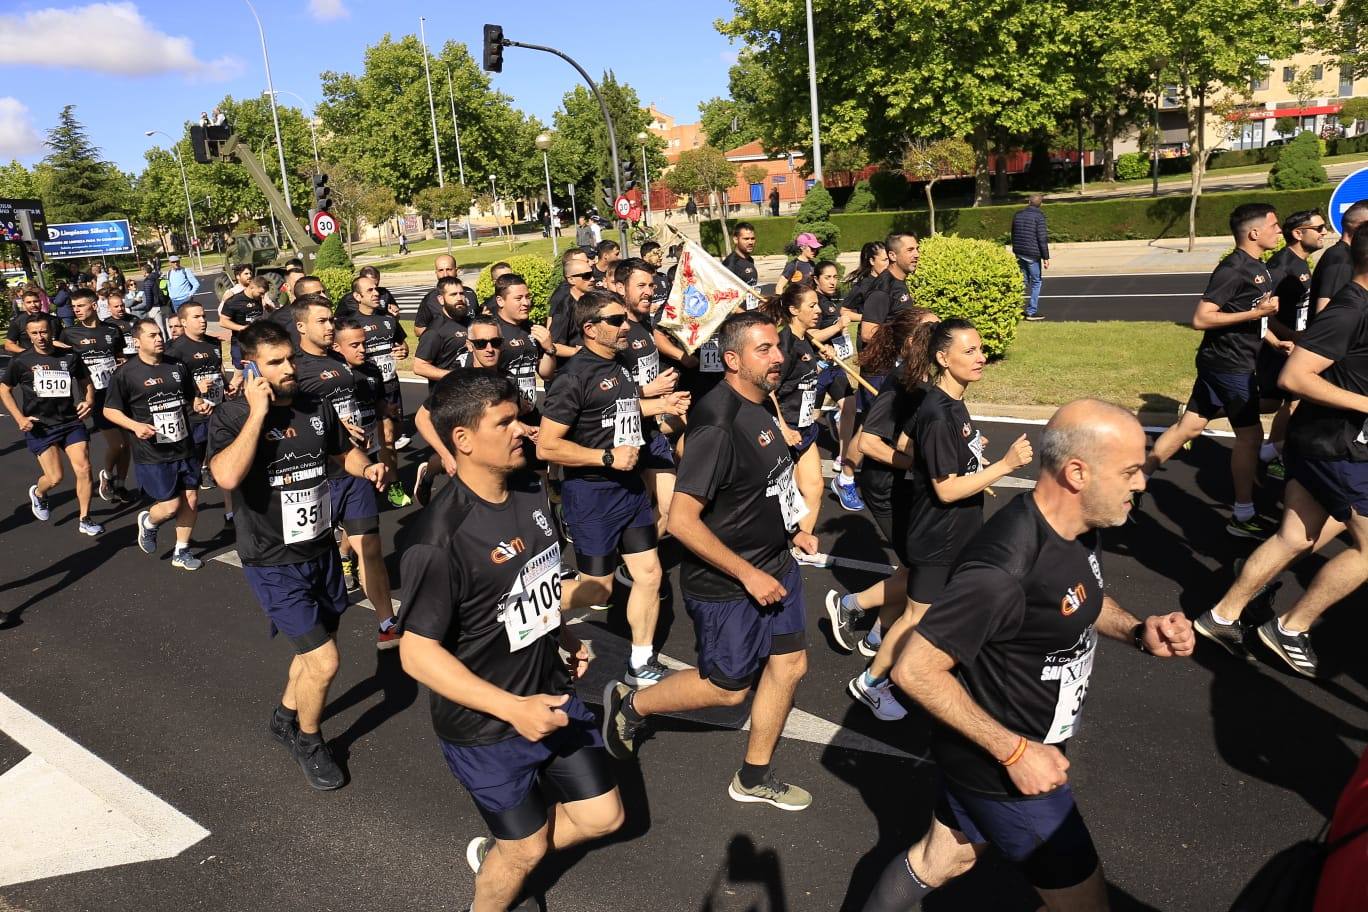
879 698
349 574
623 576
422 485
1276 470
283 730
206 479
147 534
88 526
121 494
476 850
1229 637
869 643
771 791
1035 317
402 441
1254 527
106 489
842 619
1293 648
397 497
619 735
387 639
38 505
320 769
184 560
808 560
847 494
646 675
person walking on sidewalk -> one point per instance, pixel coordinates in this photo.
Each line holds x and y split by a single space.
1031 244
181 283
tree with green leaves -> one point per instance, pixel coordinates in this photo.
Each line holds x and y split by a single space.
934 161
725 124
77 185
1353 113
814 217
1299 166
702 170
580 153
17 182
444 204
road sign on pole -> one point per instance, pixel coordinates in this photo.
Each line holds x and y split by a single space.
622 206
1350 190
322 224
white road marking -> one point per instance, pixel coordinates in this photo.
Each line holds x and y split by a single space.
1041 422
1103 294
64 810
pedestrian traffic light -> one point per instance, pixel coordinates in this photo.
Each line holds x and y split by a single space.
493 48
628 175
322 195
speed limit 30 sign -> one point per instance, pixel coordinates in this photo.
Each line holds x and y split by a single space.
322 224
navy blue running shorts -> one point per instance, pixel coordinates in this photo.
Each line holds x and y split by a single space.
1338 485
163 481
1237 395
607 518
41 438
305 600
734 638
355 506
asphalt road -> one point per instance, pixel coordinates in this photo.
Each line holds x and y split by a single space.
1191 773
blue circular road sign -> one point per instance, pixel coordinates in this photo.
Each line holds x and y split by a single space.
1350 190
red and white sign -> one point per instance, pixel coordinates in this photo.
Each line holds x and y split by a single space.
634 212
622 206
322 224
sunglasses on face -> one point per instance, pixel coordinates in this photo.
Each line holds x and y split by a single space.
615 320
581 275
495 343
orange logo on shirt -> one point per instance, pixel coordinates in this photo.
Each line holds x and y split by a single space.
1073 599
505 551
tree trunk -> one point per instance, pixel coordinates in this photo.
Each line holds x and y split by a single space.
722 222
982 187
931 205
1109 146
1196 154
1000 173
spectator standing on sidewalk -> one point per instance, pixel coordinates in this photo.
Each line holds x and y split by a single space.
1031 244
181 283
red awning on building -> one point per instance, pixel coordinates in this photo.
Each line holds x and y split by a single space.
1275 113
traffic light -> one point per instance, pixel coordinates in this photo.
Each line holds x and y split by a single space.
322 195
628 175
493 48
608 197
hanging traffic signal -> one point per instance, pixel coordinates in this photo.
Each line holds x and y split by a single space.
629 181
493 48
322 195
608 195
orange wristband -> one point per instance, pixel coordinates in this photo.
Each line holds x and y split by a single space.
1016 754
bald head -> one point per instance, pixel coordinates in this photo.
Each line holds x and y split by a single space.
1083 429
1090 458
444 266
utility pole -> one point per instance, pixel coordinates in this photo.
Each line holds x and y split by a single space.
812 98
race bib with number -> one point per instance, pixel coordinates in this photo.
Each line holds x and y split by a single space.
211 389
808 406
170 425
527 387
648 368
388 370
101 368
791 503
532 609
1073 690
130 347
710 357
51 384
627 423
305 514
840 344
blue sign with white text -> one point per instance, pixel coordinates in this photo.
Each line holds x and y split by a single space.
82 239
1350 190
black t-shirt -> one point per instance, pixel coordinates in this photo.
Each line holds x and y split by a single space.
430 309
1019 618
1334 270
600 402
354 393
743 268
284 317
1339 333
204 359
18 329
383 333
562 310
243 310
797 393
388 303
483 579
855 295
641 354
661 289
1238 283
736 461
1292 287
886 296
162 395
798 272
519 357
887 417
283 505
831 315
100 348
944 443
51 385
125 328
443 343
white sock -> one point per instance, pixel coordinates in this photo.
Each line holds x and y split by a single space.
1220 620
1244 512
1285 632
180 547
641 655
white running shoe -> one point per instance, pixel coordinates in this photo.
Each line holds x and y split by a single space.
878 698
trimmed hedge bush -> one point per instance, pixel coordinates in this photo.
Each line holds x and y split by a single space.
1132 165
973 279
1299 167
1143 218
542 277
333 254
336 280
861 199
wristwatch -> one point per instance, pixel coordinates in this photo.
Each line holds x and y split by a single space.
1138 637
607 459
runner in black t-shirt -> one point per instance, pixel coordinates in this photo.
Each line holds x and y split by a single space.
873 262
58 396
889 294
1233 316
736 510
741 261
17 339
202 354
606 256
798 271
654 255
1335 267
579 281
386 346
242 310
938 506
1291 275
152 398
1327 479
444 266
273 447
120 319
592 426
831 331
331 365
482 630
1002 662
100 343
527 348
444 342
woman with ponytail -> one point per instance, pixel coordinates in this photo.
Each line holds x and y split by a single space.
873 261
831 331
797 314
938 507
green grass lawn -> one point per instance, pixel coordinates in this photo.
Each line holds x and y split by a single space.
1173 179
1141 366
490 251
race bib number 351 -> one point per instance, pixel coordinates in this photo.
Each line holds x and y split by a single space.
305 514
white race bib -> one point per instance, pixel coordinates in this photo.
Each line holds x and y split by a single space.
170 425
710 357
808 406
648 368
532 609
306 514
527 388
212 392
101 368
388 370
627 423
130 348
791 503
51 384
1263 327
840 344
1073 690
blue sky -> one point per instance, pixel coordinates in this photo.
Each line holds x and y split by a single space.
151 64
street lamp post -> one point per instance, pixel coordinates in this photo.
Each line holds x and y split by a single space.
544 143
275 118
189 209
812 98
313 134
460 162
645 174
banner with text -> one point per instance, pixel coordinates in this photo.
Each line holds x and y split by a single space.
88 239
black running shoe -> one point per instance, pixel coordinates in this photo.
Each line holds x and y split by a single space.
320 769
619 734
1294 649
284 730
1229 637
842 621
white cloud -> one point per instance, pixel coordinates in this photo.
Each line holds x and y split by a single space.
18 136
327 10
104 37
